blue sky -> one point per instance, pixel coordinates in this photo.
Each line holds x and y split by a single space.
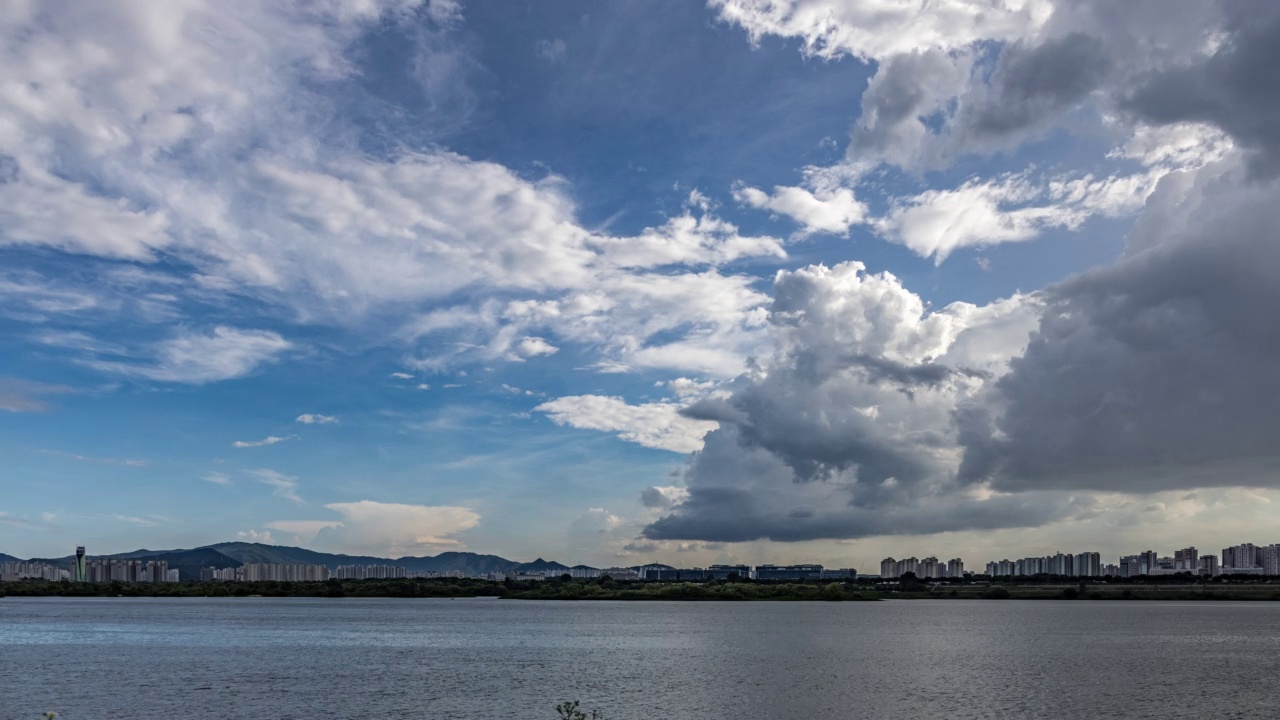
405 277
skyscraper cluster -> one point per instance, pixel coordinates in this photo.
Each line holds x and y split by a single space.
14 571
929 567
369 572
1086 564
260 572
130 571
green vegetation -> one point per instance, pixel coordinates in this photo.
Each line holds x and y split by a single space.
565 588
570 711
555 589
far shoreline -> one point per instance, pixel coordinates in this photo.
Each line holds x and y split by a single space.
633 591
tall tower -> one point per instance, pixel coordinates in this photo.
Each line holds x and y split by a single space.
78 573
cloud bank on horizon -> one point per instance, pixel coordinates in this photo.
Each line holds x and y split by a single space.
618 284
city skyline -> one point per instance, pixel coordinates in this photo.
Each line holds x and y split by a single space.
793 281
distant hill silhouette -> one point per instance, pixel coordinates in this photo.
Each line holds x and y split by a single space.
235 554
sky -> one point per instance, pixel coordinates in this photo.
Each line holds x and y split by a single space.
612 283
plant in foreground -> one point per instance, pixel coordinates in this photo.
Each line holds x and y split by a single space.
570 711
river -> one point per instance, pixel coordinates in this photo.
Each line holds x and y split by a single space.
296 658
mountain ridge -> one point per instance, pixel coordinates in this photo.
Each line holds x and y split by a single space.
238 553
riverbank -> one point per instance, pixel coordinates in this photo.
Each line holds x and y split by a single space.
453 588
611 590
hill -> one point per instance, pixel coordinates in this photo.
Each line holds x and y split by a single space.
9 558
240 553
541 565
189 563
464 562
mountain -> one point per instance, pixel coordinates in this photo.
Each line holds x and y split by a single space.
464 562
234 554
8 558
541 565
189 563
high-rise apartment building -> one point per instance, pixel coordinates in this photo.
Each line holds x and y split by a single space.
130 571
1147 561
1186 559
1244 556
1087 564
1270 559
955 568
1209 565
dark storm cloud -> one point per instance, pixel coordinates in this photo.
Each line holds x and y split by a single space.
1156 373
1237 88
1034 84
757 511
1159 372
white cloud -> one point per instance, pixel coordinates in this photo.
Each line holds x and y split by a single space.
664 497
533 347
254 536
144 520
166 140
216 478
190 357
849 419
876 29
551 51
125 462
832 211
310 419
401 376
283 486
385 529
655 425
18 395
1012 208
269 440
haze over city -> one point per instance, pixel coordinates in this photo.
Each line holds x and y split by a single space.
619 283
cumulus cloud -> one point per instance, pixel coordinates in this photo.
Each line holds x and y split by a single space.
1151 375
1228 88
254 536
1154 373
849 419
167 143
656 425
832 212
385 529
312 419
663 496
875 30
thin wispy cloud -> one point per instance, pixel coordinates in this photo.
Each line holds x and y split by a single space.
269 440
17 395
216 478
96 460
310 419
144 520
283 486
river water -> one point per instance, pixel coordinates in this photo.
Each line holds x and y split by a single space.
191 658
